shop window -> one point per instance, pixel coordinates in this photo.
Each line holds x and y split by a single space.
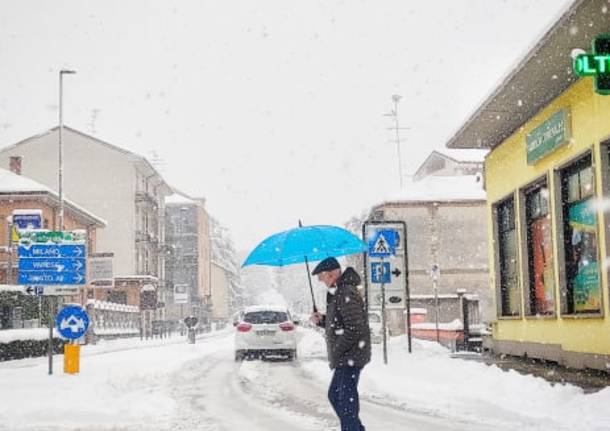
507 252
581 292
540 297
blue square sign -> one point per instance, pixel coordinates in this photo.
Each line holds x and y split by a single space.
380 273
383 243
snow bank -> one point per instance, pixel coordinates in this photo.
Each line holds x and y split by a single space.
430 381
9 335
130 387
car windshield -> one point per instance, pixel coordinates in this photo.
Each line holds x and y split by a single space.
257 317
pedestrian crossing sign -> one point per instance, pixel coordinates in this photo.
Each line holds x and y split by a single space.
383 243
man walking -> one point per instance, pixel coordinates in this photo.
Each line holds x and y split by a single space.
347 339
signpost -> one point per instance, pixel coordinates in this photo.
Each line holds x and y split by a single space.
386 281
100 270
72 323
52 263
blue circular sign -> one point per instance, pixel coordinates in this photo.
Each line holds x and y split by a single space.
72 322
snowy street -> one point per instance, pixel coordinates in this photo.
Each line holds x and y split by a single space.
171 385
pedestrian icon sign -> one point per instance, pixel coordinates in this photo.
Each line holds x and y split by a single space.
383 243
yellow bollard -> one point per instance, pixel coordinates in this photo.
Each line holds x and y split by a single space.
71 358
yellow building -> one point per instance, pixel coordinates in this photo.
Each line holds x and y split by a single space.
547 178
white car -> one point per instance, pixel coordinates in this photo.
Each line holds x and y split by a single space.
265 330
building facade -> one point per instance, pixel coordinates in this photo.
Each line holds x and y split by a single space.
188 265
445 218
121 187
548 183
21 195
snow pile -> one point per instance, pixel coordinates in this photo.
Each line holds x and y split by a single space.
431 382
9 335
132 386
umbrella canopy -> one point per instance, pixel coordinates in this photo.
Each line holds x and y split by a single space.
303 244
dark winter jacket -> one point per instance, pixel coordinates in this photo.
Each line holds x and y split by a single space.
348 337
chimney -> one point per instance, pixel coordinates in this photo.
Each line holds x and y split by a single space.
15 164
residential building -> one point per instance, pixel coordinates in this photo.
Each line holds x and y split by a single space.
451 162
20 195
188 264
445 217
221 291
121 187
548 180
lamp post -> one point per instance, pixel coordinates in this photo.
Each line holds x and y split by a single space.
51 302
62 72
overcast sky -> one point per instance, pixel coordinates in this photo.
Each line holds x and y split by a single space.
272 110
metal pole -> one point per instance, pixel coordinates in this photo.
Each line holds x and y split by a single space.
9 268
384 323
50 347
435 287
61 146
313 299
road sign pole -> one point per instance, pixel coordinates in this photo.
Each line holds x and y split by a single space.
50 317
384 323
435 287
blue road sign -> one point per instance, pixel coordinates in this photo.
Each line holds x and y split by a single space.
44 278
380 273
52 250
52 264
383 243
27 221
72 322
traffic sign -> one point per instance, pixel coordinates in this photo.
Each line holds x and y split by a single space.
49 263
72 322
58 237
52 250
380 272
27 220
52 264
51 277
383 243
51 290
100 270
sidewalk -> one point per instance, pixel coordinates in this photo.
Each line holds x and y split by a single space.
589 380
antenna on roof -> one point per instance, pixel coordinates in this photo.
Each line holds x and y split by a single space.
394 114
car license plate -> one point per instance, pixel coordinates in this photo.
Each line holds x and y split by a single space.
265 332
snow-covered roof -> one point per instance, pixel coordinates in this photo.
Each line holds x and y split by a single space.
133 157
13 184
441 189
465 155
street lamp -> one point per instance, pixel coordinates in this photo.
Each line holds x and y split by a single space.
62 72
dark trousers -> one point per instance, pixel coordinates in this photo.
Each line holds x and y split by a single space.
343 396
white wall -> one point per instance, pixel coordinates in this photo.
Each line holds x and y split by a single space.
98 178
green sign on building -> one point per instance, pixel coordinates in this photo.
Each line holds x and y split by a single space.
596 64
549 136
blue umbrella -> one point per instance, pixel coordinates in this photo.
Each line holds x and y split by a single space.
305 244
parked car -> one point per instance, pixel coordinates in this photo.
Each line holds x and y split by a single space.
376 327
264 331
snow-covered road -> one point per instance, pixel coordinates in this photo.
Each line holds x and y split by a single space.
275 396
171 385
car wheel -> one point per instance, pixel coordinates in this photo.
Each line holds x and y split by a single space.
292 356
239 357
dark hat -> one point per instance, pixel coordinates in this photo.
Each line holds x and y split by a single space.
327 264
